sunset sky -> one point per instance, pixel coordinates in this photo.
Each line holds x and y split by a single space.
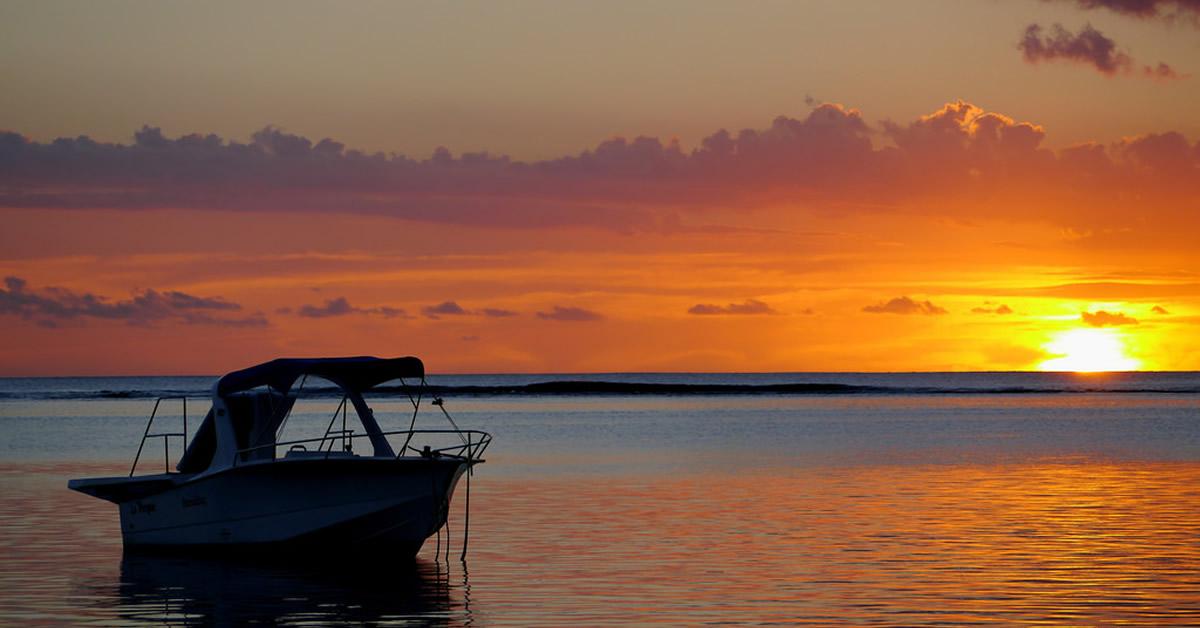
189 188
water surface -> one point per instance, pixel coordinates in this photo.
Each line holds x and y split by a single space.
941 504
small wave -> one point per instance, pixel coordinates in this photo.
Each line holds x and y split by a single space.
583 388
590 388
70 395
120 394
570 388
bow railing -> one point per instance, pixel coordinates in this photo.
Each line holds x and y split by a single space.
470 449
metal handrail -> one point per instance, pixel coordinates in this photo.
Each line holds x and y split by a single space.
163 435
333 436
470 451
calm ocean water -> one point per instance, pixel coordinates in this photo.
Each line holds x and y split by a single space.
685 499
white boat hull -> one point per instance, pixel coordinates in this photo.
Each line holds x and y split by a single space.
341 505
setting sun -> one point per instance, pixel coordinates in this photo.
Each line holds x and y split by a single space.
1089 351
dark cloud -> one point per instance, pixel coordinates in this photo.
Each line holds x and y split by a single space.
1101 318
905 305
1158 309
998 309
332 307
1170 10
749 306
254 320
445 308
452 308
389 312
570 314
340 306
50 305
1089 47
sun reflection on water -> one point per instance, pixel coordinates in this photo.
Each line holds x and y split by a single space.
1063 541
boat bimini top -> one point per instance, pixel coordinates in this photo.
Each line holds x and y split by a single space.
243 424
350 374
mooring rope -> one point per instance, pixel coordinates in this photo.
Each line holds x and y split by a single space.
467 513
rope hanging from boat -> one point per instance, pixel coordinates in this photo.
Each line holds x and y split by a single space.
435 506
467 513
448 535
445 505
437 401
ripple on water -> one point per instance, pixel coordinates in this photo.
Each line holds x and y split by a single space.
1061 542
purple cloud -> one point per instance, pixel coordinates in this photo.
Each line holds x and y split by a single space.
570 314
332 307
452 308
1170 10
749 306
625 185
52 304
389 312
445 308
340 306
1089 47
494 312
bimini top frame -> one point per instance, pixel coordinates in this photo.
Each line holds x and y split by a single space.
218 446
351 374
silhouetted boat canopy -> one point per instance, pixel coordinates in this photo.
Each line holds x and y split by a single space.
357 374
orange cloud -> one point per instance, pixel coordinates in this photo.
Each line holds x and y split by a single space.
999 309
905 305
1101 318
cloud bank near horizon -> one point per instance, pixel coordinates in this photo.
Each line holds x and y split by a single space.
831 158
52 306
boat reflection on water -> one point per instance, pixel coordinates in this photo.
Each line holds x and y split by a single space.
185 590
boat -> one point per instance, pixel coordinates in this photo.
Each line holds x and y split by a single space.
240 487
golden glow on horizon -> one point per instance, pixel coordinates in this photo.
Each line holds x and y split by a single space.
1001 313
1089 351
